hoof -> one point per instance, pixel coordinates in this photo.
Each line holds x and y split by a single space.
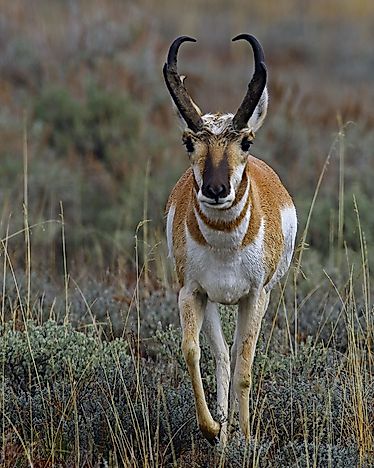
213 442
244 426
211 433
246 433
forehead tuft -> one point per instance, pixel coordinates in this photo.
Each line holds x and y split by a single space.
217 123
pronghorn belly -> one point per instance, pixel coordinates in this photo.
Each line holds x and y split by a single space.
226 275
289 228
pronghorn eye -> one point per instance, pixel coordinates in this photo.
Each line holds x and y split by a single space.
245 144
188 143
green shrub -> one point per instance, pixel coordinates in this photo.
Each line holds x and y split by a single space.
66 391
103 124
57 109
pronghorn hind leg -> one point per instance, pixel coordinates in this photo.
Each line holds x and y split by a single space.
192 308
213 331
250 314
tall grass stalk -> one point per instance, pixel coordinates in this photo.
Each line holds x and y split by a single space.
341 152
145 225
64 259
26 216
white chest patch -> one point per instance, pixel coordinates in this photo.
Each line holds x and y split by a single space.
225 274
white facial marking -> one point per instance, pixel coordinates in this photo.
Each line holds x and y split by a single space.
218 123
198 178
228 215
223 202
237 175
208 205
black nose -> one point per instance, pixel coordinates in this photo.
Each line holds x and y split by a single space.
215 191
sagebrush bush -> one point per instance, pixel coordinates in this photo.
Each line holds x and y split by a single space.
65 389
59 384
54 378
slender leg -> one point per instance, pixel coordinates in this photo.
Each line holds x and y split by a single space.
250 313
233 354
213 331
192 307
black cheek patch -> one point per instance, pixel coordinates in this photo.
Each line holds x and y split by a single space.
245 144
188 143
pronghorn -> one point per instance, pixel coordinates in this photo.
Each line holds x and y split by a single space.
231 228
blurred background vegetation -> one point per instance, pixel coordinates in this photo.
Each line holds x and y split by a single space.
90 148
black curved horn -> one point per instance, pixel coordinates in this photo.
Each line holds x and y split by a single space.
176 87
256 85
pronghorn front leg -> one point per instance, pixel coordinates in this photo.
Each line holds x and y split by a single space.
250 314
213 331
192 307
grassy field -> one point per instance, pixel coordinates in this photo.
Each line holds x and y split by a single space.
91 369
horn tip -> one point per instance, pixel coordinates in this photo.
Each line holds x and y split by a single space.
243 36
187 38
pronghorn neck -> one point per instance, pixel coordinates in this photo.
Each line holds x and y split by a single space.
226 228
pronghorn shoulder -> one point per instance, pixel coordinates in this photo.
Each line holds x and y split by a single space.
179 194
267 182
176 210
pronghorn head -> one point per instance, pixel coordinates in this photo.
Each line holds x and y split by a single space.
218 144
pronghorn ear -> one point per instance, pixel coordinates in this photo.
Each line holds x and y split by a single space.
257 118
182 121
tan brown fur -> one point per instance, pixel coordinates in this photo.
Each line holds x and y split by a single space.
240 192
193 228
180 198
269 197
266 199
